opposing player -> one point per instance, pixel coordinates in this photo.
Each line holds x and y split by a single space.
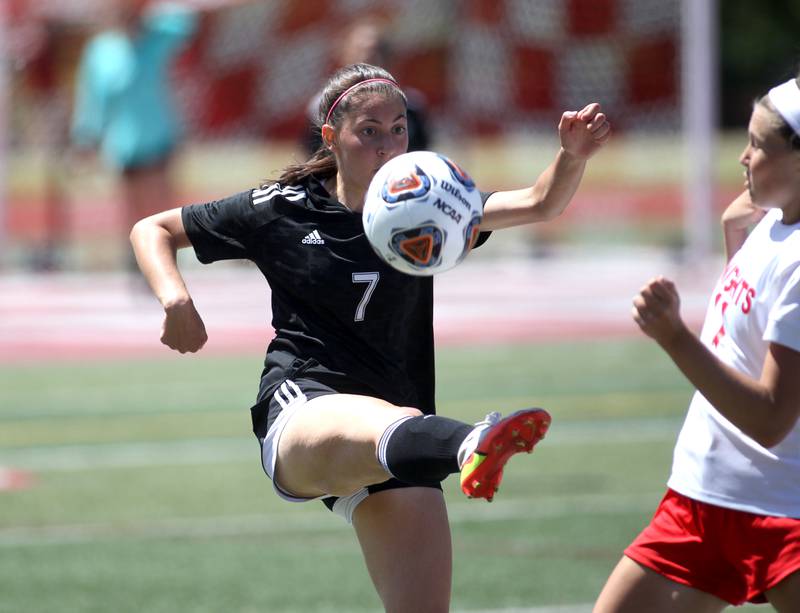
345 409
728 529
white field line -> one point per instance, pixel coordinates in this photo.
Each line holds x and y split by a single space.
575 608
65 458
318 520
215 450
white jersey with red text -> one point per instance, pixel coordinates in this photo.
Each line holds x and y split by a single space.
756 302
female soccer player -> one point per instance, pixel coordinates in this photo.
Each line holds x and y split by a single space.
345 409
728 529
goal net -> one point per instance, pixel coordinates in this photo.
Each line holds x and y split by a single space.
495 76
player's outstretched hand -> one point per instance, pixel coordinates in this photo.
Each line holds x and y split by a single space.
583 133
183 329
656 309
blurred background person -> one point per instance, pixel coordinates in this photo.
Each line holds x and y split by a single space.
123 104
367 40
40 45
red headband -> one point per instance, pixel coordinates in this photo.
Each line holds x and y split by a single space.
351 88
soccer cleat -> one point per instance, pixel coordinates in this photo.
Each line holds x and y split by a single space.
485 451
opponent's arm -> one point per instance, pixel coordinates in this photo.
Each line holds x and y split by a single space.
581 133
765 409
155 241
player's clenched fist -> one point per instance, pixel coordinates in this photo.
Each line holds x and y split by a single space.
583 132
656 310
183 328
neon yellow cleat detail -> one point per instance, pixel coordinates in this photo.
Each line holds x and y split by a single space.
485 451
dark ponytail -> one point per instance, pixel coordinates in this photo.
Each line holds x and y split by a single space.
322 164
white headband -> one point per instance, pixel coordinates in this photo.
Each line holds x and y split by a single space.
786 98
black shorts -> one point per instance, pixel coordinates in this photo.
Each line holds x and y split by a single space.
314 380
286 396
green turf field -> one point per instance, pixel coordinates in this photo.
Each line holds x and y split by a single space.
148 495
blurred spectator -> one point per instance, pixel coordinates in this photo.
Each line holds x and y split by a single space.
123 103
39 46
366 40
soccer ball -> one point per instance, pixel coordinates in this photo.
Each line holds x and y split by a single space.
422 213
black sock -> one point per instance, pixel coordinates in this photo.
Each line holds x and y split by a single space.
422 450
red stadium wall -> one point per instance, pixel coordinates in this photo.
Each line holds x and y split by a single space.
484 66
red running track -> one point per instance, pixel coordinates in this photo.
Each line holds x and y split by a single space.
109 315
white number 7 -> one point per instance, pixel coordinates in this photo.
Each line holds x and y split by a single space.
371 278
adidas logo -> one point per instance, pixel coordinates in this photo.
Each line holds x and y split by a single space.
313 238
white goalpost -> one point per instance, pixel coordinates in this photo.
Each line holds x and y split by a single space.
699 101
4 111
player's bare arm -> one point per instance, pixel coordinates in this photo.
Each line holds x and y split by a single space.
155 242
581 133
765 409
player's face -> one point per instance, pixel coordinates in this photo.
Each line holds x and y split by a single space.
372 133
772 167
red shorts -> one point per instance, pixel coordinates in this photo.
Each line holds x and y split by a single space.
734 555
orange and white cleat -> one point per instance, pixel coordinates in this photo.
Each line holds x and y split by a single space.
485 451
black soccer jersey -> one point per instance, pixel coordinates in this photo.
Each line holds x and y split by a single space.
354 322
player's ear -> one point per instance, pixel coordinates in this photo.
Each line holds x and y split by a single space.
328 136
